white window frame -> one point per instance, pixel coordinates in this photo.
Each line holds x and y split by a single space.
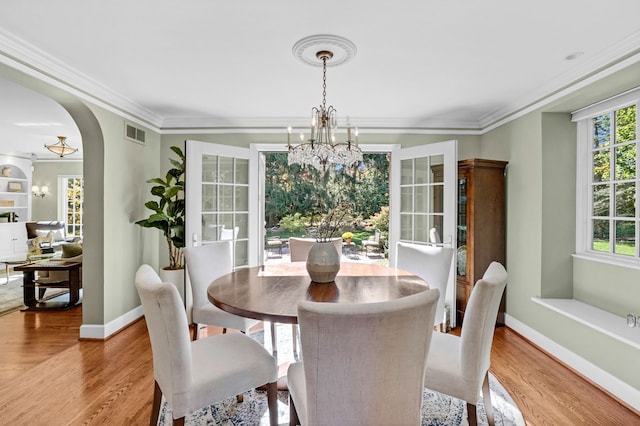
584 178
63 201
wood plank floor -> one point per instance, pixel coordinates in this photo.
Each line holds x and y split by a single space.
49 377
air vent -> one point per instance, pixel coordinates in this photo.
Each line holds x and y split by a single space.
134 134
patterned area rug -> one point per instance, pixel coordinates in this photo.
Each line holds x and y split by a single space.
437 409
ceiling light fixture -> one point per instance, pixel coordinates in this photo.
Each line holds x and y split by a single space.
321 150
61 148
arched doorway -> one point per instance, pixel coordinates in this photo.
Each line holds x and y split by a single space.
93 147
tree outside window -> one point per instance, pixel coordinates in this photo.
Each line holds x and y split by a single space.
72 204
615 183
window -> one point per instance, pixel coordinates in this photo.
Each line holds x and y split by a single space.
611 183
72 198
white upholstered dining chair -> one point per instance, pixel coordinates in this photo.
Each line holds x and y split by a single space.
360 360
205 263
432 264
459 366
193 375
299 247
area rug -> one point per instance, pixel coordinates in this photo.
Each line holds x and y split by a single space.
11 295
437 409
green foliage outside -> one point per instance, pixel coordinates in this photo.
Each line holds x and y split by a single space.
619 176
621 248
299 198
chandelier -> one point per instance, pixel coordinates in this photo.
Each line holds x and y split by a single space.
61 148
321 149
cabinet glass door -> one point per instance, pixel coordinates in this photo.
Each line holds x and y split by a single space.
461 233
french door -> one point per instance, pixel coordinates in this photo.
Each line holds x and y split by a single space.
217 197
422 199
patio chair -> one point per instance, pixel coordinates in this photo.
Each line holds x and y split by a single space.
373 242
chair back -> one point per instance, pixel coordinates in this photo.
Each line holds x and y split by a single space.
432 264
434 236
229 234
299 247
362 359
168 331
206 263
479 322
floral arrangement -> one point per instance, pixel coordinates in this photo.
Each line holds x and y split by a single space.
347 235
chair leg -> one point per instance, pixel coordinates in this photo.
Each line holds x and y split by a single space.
196 331
293 413
471 414
178 422
272 402
294 341
155 406
274 341
486 398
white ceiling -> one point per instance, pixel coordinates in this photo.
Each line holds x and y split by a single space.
423 64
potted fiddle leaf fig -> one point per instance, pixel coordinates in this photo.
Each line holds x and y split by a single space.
168 214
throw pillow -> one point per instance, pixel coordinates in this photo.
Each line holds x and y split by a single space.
58 235
42 233
71 250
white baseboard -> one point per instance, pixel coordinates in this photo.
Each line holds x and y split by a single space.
621 390
89 331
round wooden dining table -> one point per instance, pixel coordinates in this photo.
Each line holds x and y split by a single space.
272 292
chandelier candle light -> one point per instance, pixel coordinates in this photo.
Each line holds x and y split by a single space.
321 149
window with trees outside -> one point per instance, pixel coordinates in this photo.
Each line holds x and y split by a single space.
613 223
72 198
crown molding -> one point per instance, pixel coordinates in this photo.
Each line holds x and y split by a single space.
599 66
29 59
24 57
208 125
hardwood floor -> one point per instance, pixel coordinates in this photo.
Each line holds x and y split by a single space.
49 377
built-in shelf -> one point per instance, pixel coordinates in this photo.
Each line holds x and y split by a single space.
605 322
15 189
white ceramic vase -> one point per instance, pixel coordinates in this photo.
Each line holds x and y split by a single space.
323 262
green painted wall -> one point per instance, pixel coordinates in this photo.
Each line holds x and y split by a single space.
127 166
540 148
46 173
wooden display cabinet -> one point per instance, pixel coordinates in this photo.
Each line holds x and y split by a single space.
481 226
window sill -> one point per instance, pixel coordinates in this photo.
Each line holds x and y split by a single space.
610 260
605 322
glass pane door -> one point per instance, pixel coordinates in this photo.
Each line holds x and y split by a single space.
217 195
